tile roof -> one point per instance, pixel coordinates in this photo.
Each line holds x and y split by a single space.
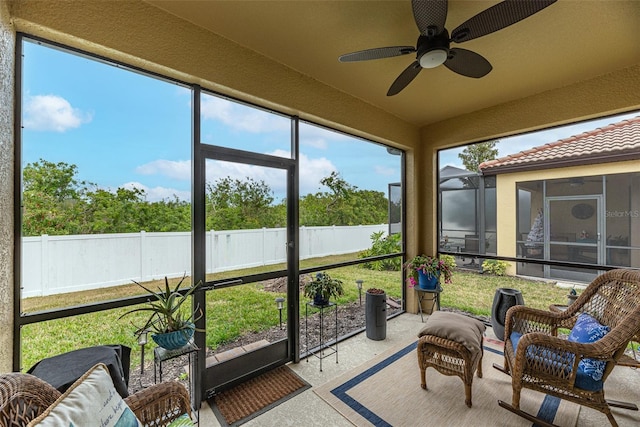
616 142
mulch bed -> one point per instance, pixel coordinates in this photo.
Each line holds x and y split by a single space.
351 317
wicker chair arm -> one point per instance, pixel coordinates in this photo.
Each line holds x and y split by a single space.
23 397
557 345
525 320
160 404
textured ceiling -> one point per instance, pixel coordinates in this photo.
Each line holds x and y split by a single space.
568 42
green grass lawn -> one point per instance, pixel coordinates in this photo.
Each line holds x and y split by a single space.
234 311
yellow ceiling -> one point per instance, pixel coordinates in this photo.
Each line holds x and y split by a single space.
568 42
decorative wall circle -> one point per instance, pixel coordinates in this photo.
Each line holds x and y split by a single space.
582 211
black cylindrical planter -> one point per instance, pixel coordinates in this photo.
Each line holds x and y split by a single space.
376 316
503 300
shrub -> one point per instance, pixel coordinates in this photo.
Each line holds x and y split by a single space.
449 260
383 245
494 266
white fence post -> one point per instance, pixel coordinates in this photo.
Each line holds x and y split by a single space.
144 275
213 251
44 273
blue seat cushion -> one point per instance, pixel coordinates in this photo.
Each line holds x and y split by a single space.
590 371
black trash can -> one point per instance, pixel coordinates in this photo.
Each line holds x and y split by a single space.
376 314
503 300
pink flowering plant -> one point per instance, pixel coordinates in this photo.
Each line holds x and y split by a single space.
430 266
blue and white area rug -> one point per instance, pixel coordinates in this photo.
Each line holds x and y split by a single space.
386 392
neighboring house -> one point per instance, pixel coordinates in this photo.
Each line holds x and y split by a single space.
585 193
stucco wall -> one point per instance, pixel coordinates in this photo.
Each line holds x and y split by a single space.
7 43
609 94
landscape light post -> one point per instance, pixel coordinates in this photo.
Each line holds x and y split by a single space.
280 306
142 341
359 283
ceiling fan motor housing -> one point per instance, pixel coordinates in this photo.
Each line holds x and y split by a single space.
432 46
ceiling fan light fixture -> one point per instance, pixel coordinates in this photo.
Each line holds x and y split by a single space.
433 58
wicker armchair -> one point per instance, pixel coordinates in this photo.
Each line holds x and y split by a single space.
23 397
547 363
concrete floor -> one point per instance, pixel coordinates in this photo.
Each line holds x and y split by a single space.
307 409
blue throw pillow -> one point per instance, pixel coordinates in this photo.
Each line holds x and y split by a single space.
589 330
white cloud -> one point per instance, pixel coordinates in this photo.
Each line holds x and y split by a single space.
242 118
319 143
154 194
176 169
384 170
311 172
319 137
52 113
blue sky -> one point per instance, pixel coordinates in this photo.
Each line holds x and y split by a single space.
123 129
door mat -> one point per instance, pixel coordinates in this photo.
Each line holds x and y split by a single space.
245 401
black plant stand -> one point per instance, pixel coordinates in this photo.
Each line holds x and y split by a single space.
162 355
324 349
429 295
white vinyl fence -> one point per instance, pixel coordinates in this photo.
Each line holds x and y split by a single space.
59 264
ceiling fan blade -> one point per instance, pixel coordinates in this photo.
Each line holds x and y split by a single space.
405 78
467 63
497 17
430 16
377 53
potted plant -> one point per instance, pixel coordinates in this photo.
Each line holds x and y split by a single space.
171 325
426 270
322 288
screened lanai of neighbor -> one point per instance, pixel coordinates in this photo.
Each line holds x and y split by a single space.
224 90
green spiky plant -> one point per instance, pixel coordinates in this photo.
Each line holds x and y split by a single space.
166 313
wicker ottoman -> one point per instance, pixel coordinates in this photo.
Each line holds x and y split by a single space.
452 344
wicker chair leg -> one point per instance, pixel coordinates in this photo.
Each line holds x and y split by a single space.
479 369
612 420
467 394
423 378
515 398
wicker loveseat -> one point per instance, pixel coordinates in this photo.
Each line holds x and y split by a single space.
23 397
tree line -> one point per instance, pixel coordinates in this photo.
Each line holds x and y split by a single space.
56 202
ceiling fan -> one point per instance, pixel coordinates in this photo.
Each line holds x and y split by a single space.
432 48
